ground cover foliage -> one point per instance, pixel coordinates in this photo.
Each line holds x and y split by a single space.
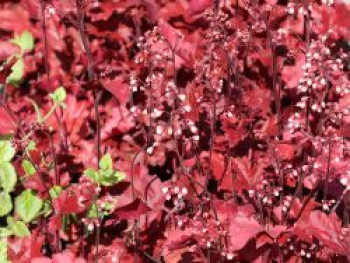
174 131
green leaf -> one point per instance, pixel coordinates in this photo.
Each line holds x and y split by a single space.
28 167
28 205
55 191
17 72
47 209
7 152
110 177
93 211
39 115
31 146
92 174
18 228
8 177
3 251
5 204
5 232
25 41
106 162
108 206
59 95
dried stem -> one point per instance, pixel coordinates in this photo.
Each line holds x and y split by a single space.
96 96
330 147
307 33
63 135
276 92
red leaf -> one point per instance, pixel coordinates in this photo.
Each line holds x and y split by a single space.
120 121
9 19
7 49
6 71
185 254
133 210
198 6
344 102
22 250
73 200
34 182
67 203
326 228
74 117
285 151
7 124
243 227
292 74
118 88
55 223
41 260
184 50
64 257
248 175
271 2
177 238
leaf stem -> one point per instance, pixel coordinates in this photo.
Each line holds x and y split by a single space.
63 135
91 78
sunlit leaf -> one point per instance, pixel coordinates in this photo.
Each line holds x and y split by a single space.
92 174
111 177
17 72
59 95
28 167
3 251
106 162
8 177
28 205
5 204
6 151
18 228
25 41
55 191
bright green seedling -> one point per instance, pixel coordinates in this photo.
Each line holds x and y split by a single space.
25 42
28 206
14 228
28 167
3 251
58 97
17 72
105 176
55 191
6 204
7 152
8 177
8 180
93 212
17 228
106 162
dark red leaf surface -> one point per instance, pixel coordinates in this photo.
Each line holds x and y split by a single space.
228 120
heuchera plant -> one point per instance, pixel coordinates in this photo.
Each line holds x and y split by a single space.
174 131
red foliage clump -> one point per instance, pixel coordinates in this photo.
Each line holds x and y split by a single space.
227 123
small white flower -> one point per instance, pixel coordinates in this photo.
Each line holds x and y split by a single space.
229 256
182 97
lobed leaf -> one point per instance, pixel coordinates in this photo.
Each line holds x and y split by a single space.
5 204
28 206
8 176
